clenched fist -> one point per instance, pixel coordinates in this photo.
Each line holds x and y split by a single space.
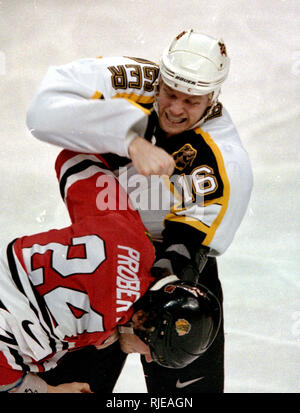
149 159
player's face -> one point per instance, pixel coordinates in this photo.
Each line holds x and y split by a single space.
179 111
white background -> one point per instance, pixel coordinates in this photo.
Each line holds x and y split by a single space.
260 271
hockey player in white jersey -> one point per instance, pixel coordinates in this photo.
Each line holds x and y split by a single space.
163 120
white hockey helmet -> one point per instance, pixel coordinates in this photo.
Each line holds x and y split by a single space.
195 64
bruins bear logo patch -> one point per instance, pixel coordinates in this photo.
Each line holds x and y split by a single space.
184 157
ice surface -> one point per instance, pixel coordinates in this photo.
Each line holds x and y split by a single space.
260 271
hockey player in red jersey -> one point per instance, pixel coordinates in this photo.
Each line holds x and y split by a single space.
164 119
76 289
67 289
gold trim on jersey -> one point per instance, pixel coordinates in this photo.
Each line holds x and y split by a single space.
222 201
226 185
193 222
216 111
177 207
131 98
217 201
97 95
135 100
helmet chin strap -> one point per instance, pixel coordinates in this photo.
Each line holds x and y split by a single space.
206 114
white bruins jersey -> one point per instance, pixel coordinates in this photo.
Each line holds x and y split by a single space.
98 105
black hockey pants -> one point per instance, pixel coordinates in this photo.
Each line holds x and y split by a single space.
204 375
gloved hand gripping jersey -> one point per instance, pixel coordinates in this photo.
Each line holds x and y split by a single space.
186 263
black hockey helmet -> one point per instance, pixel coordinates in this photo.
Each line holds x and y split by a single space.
183 320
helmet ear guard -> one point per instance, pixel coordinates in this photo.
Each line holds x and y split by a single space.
183 321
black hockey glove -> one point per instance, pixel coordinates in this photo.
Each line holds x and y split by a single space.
178 260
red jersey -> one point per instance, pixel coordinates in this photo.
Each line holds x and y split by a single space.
68 288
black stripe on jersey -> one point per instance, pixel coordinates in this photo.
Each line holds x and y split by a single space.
46 318
13 267
19 360
151 125
2 306
41 304
115 161
148 106
81 166
8 340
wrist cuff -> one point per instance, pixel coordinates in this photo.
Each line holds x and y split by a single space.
129 138
31 384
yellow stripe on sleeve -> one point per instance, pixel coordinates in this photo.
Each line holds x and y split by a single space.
226 185
96 95
193 222
136 100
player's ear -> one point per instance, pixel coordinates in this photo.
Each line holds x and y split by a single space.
138 319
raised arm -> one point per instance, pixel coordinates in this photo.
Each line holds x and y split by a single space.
93 105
